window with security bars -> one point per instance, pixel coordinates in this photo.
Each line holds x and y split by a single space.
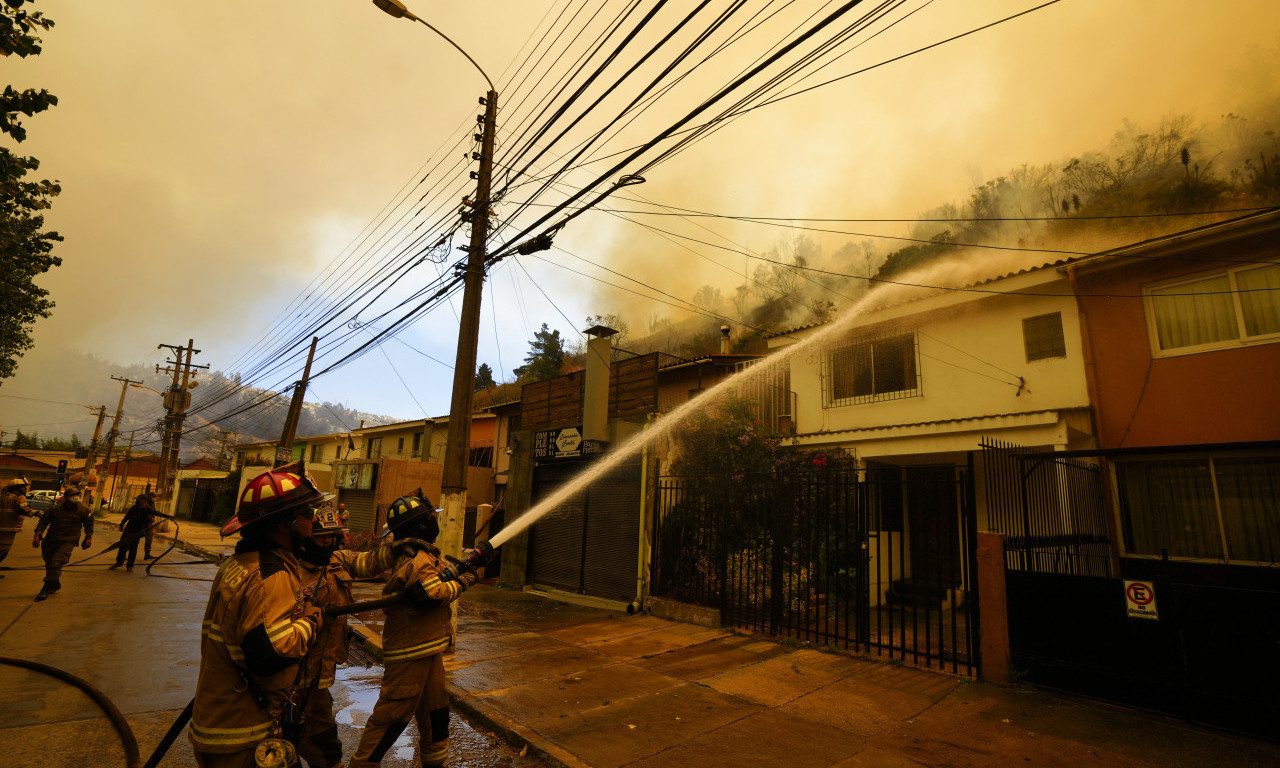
1218 311
874 369
1224 508
1042 337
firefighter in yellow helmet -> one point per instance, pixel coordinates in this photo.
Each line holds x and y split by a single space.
323 560
13 511
414 639
260 622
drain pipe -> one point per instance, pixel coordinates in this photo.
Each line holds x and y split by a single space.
637 605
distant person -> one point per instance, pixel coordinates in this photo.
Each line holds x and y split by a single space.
136 524
13 511
63 521
416 635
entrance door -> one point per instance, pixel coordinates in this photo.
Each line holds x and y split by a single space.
933 526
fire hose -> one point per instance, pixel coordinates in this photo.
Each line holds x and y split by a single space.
113 713
272 751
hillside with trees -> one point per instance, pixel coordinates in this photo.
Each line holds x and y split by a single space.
1149 181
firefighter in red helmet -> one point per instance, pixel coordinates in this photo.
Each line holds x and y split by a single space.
260 622
414 639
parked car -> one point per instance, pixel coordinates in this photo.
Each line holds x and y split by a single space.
41 500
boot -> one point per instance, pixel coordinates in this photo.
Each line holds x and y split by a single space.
44 595
117 565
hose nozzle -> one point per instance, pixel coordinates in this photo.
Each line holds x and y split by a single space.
472 560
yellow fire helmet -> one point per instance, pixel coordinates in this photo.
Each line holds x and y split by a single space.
327 520
17 482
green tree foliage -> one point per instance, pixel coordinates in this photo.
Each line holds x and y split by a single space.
21 440
484 377
545 359
62 444
25 247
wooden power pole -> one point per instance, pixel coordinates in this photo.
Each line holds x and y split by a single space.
458 446
284 451
176 401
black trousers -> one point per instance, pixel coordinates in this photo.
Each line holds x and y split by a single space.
128 547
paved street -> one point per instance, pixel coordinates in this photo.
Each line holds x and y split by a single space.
576 687
136 638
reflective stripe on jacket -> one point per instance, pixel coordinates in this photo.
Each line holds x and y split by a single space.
257 627
422 626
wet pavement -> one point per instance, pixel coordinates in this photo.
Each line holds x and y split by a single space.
355 693
574 686
137 640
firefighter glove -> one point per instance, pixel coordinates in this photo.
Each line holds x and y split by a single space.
35 541
88 542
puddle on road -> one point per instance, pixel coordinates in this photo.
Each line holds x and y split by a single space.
355 692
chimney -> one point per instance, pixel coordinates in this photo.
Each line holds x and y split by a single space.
595 401
724 339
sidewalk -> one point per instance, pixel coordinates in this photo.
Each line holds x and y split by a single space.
585 687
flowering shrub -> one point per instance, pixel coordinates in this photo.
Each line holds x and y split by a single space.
362 541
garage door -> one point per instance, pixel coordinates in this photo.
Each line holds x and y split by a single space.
590 545
360 508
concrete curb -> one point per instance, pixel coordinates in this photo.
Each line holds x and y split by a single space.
514 733
511 732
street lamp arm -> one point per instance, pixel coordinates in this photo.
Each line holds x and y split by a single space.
397 9
455 45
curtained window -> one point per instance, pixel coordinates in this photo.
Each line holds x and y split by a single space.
1209 508
1219 311
873 369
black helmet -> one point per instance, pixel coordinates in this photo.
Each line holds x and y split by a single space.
406 509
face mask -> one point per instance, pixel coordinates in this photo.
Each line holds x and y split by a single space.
309 551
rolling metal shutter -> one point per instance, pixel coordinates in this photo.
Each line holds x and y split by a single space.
591 543
360 508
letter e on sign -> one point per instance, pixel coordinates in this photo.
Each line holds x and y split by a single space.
1140 600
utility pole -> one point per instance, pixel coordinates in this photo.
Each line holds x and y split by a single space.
128 456
453 497
458 443
222 450
176 401
93 446
284 451
111 435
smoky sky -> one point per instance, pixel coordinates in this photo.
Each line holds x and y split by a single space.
216 157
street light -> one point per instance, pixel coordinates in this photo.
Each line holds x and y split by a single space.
453 492
396 9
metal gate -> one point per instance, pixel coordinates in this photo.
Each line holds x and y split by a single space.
591 543
1210 657
876 560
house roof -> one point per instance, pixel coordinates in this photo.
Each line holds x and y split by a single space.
716 359
14 461
1193 237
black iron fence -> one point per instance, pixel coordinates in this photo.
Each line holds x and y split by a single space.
870 560
1052 511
